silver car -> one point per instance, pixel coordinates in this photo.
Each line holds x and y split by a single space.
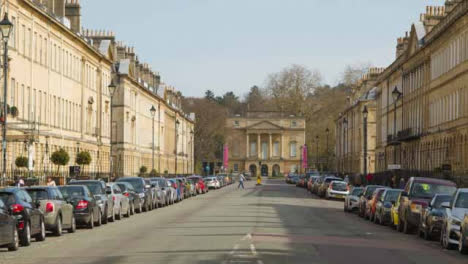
121 202
212 182
337 190
455 214
352 199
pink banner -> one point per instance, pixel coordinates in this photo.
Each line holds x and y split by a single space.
226 156
304 157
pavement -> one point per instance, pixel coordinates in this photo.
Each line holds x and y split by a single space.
272 223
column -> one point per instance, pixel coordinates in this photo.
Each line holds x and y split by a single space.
281 146
270 147
259 151
247 155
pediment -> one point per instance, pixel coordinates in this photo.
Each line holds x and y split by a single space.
264 125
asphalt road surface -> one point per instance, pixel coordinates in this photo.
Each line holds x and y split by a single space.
274 223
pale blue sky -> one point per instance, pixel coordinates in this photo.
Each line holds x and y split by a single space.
230 45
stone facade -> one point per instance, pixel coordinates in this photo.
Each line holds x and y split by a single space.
272 138
431 131
350 154
59 97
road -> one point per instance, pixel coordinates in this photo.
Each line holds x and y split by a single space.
274 223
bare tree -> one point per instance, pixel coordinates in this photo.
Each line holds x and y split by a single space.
353 73
291 87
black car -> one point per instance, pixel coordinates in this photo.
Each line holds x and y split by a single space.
9 236
133 197
432 217
143 190
98 189
30 220
85 207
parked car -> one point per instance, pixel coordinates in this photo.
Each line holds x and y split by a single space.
171 191
337 190
310 182
394 212
316 185
133 197
372 204
58 213
98 189
432 217
154 203
159 183
29 219
198 181
178 190
352 199
121 202
416 196
9 236
462 244
322 190
85 207
455 213
143 190
212 182
365 197
383 207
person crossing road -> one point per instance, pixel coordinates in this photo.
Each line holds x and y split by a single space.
241 181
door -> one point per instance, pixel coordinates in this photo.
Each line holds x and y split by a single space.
5 225
34 213
264 170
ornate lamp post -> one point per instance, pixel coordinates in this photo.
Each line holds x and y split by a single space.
153 114
345 125
396 96
5 28
192 139
365 114
112 88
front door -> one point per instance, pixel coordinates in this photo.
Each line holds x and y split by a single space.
265 170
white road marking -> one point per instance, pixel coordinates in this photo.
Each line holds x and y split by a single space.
259 262
248 236
252 248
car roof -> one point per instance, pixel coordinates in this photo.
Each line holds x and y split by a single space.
432 180
341 181
10 189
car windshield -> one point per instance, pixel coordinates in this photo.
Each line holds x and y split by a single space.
122 186
462 200
339 186
136 183
441 199
391 196
7 198
370 190
94 187
72 191
38 194
328 180
357 191
428 190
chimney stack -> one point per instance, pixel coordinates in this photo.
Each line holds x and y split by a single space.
73 13
402 45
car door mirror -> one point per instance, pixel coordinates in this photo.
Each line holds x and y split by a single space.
445 205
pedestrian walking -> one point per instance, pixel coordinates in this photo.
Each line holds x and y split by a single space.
402 183
20 183
241 181
50 182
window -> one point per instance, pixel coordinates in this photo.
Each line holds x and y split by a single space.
264 150
236 167
294 123
276 150
236 123
293 149
253 149
12 41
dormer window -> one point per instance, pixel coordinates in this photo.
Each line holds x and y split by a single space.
293 123
236 123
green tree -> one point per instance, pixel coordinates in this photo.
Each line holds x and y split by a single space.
83 158
154 173
60 158
209 95
21 162
143 170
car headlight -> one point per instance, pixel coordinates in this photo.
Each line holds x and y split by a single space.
436 218
455 221
416 208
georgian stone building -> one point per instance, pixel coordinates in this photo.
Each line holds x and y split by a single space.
350 145
272 138
59 97
431 114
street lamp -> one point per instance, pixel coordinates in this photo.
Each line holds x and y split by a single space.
365 114
192 139
153 114
112 88
317 152
5 28
396 96
177 122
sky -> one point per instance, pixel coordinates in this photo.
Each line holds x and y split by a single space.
231 45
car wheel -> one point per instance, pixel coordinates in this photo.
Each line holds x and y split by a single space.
105 218
444 239
140 209
25 238
406 228
99 219
72 228
129 211
119 215
426 235
58 226
42 235
112 218
91 222
462 245
15 243
132 208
